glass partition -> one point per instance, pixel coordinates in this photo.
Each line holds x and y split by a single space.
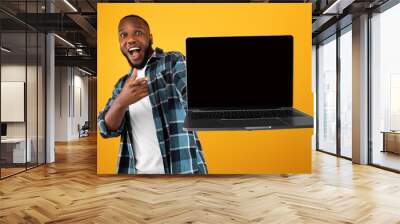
22 64
346 93
41 87
31 97
14 153
327 95
385 89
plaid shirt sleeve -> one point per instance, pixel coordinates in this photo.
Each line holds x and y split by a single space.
183 138
104 131
179 77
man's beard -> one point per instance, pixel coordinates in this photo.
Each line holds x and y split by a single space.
147 54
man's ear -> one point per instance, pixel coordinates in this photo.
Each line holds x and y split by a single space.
151 39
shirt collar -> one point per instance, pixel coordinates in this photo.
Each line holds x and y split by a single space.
158 53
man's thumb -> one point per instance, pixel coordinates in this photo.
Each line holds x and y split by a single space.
135 72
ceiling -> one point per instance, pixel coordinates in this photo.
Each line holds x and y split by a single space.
76 22
77 25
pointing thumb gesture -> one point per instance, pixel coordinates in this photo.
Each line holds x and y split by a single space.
135 72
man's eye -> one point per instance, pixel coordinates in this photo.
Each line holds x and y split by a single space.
123 35
138 33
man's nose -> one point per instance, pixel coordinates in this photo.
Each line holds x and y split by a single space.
131 39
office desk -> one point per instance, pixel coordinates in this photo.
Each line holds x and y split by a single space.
13 150
391 141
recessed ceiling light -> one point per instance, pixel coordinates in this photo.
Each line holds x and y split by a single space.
337 7
64 40
70 5
84 71
5 50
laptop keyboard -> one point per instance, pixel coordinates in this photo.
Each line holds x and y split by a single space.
244 114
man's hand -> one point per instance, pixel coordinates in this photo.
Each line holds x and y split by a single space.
134 90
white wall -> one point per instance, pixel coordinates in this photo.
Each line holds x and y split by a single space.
61 103
33 126
70 83
12 73
80 84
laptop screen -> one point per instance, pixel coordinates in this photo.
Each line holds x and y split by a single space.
240 72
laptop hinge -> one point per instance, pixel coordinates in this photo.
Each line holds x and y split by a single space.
212 110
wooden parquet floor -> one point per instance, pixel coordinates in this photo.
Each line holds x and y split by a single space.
70 191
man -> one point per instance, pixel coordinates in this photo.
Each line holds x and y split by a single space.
147 108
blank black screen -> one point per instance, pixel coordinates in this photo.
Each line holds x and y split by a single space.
240 72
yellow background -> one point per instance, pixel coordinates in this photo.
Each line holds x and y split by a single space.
226 152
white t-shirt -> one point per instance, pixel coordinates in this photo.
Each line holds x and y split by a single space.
145 142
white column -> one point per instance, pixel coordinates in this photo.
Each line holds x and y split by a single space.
50 93
360 90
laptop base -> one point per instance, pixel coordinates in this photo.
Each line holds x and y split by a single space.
303 121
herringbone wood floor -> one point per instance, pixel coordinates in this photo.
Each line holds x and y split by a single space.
69 191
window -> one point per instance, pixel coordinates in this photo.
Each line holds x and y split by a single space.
327 95
346 92
385 88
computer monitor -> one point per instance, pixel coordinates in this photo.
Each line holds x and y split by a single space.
3 129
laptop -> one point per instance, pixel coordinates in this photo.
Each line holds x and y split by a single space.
241 83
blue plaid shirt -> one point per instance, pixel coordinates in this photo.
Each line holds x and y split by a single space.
181 150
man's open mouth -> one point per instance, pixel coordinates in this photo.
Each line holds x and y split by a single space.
134 52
